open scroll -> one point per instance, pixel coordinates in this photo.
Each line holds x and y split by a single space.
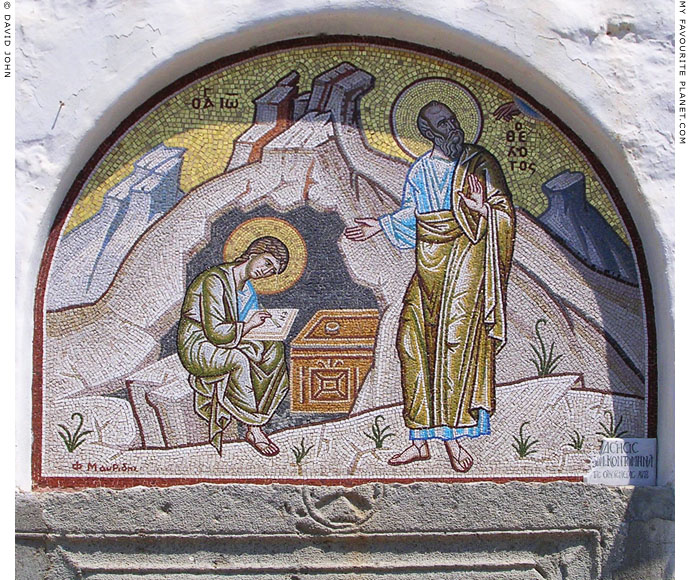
275 328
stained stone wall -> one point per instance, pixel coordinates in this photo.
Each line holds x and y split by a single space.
605 70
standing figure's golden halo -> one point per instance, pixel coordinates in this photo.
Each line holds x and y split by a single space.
248 231
407 104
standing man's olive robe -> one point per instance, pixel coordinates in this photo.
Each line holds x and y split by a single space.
453 319
231 376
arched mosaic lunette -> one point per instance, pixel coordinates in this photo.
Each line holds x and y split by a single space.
456 289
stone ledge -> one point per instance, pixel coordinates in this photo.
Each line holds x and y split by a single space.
508 553
421 530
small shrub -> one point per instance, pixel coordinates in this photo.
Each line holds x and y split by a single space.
378 434
576 440
545 362
73 440
523 445
610 431
300 452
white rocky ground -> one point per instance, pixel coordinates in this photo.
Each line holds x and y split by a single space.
553 407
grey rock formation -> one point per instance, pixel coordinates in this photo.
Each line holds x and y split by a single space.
580 226
274 111
88 257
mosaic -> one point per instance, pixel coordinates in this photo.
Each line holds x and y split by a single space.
337 261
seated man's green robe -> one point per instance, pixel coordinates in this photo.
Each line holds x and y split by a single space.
232 377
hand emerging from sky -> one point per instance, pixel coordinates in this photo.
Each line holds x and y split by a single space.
507 111
365 229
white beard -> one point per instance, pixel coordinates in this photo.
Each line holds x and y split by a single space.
453 145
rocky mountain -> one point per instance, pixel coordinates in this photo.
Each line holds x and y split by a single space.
579 225
88 256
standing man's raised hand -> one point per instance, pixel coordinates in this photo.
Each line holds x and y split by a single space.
476 198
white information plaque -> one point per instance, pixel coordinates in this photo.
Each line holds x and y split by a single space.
629 461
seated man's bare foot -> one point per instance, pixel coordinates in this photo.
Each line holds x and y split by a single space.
460 459
260 441
410 454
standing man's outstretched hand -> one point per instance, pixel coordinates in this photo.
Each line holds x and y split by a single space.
365 229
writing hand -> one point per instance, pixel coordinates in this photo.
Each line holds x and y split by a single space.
366 228
256 320
476 196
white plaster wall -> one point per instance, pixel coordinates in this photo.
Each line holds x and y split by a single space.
605 68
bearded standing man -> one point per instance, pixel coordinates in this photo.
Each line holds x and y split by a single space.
458 215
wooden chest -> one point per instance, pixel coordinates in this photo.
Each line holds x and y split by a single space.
330 358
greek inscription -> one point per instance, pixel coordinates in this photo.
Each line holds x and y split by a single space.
96 467
229 101
518 150
226 100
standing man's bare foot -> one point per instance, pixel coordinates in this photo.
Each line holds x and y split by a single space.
260 441
415 452
460 459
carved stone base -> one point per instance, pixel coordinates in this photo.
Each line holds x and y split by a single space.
403 532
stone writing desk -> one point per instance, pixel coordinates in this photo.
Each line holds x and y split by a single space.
330 359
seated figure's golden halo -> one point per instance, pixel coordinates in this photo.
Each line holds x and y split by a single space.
248 231
403 117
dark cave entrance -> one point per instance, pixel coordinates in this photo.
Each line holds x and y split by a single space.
325 284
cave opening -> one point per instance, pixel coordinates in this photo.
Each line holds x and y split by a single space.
325 284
